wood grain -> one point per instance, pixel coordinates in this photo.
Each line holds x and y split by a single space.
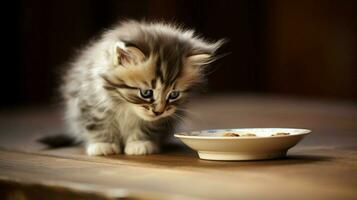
323 166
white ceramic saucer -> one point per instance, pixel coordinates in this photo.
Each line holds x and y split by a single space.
212 145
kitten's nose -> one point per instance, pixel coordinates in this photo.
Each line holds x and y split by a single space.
157 113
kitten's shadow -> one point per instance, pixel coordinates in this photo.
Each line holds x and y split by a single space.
175 148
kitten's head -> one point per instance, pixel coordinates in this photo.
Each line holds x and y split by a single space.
154 66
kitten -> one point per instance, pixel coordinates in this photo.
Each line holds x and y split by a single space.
123 93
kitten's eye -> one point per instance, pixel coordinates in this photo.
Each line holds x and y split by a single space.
174 95
146 93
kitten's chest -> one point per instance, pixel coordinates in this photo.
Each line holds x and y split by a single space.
125 121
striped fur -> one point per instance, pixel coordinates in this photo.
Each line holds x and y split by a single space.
104 108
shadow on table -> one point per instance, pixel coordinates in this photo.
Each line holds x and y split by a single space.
183 156
176 155
287 161
302 159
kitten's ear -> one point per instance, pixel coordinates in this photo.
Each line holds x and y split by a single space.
127 55
204 52
200 59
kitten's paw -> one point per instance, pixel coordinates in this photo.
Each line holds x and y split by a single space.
100 149
141 147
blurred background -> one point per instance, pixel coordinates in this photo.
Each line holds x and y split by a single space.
304 48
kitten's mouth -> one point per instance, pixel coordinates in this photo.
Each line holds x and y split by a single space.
152 117
148 115
155 117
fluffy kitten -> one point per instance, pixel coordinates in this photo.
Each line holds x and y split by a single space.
123 91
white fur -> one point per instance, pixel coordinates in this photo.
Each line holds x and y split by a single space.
98 149
141 147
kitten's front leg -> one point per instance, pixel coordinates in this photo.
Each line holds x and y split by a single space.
94 128
102 148
139 143
102 143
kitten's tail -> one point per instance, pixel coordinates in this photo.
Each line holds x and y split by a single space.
58 141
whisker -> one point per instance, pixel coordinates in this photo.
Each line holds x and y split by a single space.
190 114
179 118
186 111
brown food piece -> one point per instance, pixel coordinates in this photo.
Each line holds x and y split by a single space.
249 135
231 135
279 134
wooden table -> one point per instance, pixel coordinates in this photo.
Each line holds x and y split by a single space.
322 166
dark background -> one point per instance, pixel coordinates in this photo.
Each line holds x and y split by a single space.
298 48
